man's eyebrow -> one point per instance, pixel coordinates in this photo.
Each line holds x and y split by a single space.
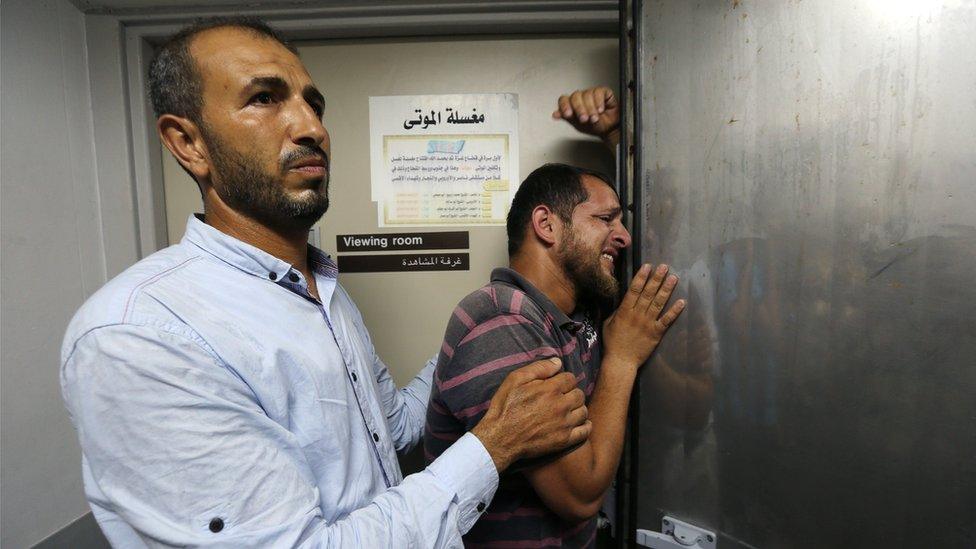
313 95
310 92
275 82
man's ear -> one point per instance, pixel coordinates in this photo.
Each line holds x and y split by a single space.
183 138
545 224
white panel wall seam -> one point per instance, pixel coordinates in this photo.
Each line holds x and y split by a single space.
93 262
112 137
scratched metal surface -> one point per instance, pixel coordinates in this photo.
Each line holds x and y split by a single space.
810 170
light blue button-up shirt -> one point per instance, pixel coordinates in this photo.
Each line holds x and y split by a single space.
218 403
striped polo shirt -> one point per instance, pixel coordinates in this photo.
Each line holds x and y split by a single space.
493 331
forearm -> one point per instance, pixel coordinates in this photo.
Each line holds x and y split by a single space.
406 408
432 508
574 485
608 412
188 445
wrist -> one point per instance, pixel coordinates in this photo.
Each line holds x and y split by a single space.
621 362
612 138
501 454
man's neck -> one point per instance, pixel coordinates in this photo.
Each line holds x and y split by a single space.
288 246
549 278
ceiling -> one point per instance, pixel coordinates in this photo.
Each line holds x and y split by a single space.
155 6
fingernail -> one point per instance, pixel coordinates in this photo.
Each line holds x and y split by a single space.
662 268
555 360
645 268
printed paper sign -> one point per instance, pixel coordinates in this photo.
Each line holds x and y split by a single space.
443 159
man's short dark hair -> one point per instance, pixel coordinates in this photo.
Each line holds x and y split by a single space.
174 78
558 186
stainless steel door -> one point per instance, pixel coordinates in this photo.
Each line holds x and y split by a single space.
809 167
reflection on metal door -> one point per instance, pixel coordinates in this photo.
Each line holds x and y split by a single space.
809 167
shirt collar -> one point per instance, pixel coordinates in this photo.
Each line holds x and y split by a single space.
558 317
247 257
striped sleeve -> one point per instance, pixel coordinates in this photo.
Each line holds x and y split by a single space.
484 356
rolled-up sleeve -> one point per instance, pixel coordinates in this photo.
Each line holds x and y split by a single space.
177 445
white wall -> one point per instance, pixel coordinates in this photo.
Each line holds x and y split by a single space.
52 258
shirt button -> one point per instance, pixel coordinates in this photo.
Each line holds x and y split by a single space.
354 378
481 506
376 438
273 275
216 525
293 277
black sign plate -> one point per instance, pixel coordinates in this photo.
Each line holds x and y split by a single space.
388 263
382 242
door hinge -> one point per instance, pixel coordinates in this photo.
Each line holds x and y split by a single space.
676 534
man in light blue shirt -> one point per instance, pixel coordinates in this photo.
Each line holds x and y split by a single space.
225 390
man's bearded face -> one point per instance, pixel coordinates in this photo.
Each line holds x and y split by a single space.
261 123
592 241
587 268
240 181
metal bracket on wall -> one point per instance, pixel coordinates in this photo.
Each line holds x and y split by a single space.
676 534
